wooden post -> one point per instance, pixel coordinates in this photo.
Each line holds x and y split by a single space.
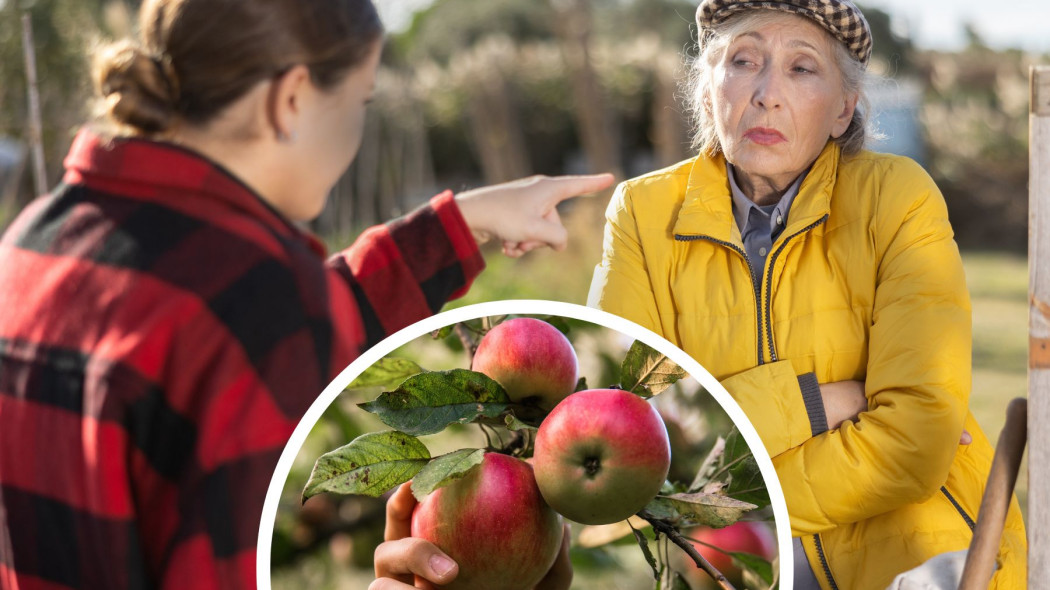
36 135
1039 331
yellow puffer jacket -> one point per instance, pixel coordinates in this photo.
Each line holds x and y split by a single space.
864 283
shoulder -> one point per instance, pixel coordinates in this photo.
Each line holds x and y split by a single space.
878 171
661 189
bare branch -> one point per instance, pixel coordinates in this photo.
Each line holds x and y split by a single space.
469 344
676 537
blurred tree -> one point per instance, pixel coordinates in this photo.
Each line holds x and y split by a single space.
447 27
63 32
974 41
889 45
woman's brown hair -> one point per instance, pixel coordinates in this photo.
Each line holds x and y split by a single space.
195 57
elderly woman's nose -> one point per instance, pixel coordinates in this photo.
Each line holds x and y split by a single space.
769 90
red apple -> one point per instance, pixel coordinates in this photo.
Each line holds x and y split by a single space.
531 359
494 524
747 537
601 455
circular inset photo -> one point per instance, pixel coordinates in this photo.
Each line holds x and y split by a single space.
524 445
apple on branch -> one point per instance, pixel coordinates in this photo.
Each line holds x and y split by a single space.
494 524
740 537
531 359
601 455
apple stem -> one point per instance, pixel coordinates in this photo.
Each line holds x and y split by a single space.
676 537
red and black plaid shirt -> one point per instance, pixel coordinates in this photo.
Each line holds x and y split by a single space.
162 330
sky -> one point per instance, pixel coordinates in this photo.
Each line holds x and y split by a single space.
936 24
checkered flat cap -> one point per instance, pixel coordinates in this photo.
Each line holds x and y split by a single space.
840 17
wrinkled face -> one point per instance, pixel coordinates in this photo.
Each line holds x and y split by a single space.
777 97
331 135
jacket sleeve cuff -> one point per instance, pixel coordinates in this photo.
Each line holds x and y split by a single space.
818 421
461 238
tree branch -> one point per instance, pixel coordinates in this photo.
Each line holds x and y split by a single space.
676 537
469 345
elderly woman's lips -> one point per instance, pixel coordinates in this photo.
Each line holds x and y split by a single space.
763 136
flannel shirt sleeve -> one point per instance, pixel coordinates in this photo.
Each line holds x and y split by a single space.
405 270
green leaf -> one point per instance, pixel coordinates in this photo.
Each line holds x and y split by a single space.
744 480
643 542
445 469
428 402
713 510
647 372
760 567
513 423
370 465
703 475
387 372
558 322
443 333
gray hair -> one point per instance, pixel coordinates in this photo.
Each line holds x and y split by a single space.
696 87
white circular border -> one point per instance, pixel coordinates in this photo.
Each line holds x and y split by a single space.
522 307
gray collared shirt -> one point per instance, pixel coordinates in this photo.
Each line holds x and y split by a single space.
760 226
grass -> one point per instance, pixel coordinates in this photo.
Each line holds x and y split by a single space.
999 290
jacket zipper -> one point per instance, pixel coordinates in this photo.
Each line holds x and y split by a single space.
966 517
755 287
824 563
769 284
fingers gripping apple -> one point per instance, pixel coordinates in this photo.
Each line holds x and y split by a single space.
494 524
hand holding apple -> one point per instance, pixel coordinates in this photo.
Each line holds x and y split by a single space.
601 455
494 524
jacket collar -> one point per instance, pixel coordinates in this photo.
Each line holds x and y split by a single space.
708 206
152 164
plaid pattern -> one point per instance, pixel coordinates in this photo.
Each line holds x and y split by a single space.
840 17
162 331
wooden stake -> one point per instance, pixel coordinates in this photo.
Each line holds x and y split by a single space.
1039 331
36 141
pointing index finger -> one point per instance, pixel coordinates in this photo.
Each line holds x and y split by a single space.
566 187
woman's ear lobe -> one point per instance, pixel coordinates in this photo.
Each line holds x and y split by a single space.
843 120
285 102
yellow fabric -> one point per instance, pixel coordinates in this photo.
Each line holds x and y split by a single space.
864 283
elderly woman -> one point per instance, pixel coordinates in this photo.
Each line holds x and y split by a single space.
820 282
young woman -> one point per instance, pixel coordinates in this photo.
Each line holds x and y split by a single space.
165 324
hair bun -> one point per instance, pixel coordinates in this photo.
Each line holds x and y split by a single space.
137 90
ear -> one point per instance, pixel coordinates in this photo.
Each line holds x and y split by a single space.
842 121
289 92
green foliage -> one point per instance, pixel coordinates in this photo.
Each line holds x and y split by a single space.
445 469
370 465
448 27
714 510
387 372
429 402
647 372
643 543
